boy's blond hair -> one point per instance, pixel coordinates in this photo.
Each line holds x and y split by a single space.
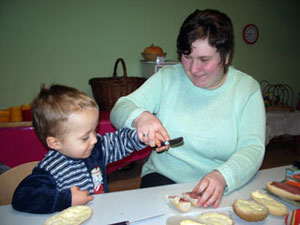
52 107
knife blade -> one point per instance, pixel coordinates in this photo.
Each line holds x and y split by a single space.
173 142
127 222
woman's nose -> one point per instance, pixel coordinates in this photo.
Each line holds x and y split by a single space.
195 66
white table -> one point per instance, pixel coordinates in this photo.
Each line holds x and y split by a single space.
135 204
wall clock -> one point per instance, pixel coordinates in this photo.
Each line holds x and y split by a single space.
250 33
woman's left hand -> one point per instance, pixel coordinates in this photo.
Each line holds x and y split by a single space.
151 131
211 187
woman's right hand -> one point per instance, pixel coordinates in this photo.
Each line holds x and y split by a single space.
151 131
211 188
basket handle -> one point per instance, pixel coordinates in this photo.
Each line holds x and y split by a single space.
123 66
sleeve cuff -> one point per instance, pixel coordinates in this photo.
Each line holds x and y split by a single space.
226 174
133 115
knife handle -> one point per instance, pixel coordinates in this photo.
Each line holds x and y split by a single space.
121 223
164 143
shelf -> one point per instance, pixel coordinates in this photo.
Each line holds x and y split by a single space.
16 124
166 62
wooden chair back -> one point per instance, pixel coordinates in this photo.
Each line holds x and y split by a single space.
10 179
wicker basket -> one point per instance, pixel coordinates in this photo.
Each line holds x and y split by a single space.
107 90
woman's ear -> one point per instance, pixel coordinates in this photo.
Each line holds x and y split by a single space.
53 143
227 59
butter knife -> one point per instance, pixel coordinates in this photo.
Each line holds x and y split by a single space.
127 222
173 142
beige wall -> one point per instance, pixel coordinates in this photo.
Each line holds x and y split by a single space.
71 41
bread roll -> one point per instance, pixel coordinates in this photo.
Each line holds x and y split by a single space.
285 190
74 215
191 222
192 197
250 210
275 208
180 203
216 218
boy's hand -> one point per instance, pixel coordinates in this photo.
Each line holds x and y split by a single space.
80 197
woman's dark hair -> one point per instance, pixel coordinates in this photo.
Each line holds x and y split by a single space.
211 24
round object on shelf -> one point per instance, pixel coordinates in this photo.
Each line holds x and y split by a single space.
152 57
152 52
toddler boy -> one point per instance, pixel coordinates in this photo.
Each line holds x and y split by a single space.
65 121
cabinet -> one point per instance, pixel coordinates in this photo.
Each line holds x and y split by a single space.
20 144
148 68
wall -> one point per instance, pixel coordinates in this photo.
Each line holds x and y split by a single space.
71 41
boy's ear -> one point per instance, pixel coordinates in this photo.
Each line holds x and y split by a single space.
53 143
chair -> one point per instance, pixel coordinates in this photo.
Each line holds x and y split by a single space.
277 97
10 179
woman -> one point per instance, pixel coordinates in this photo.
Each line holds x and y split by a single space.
218 110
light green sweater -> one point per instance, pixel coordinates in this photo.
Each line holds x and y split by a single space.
223 129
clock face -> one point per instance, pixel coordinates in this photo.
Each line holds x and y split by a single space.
250 33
